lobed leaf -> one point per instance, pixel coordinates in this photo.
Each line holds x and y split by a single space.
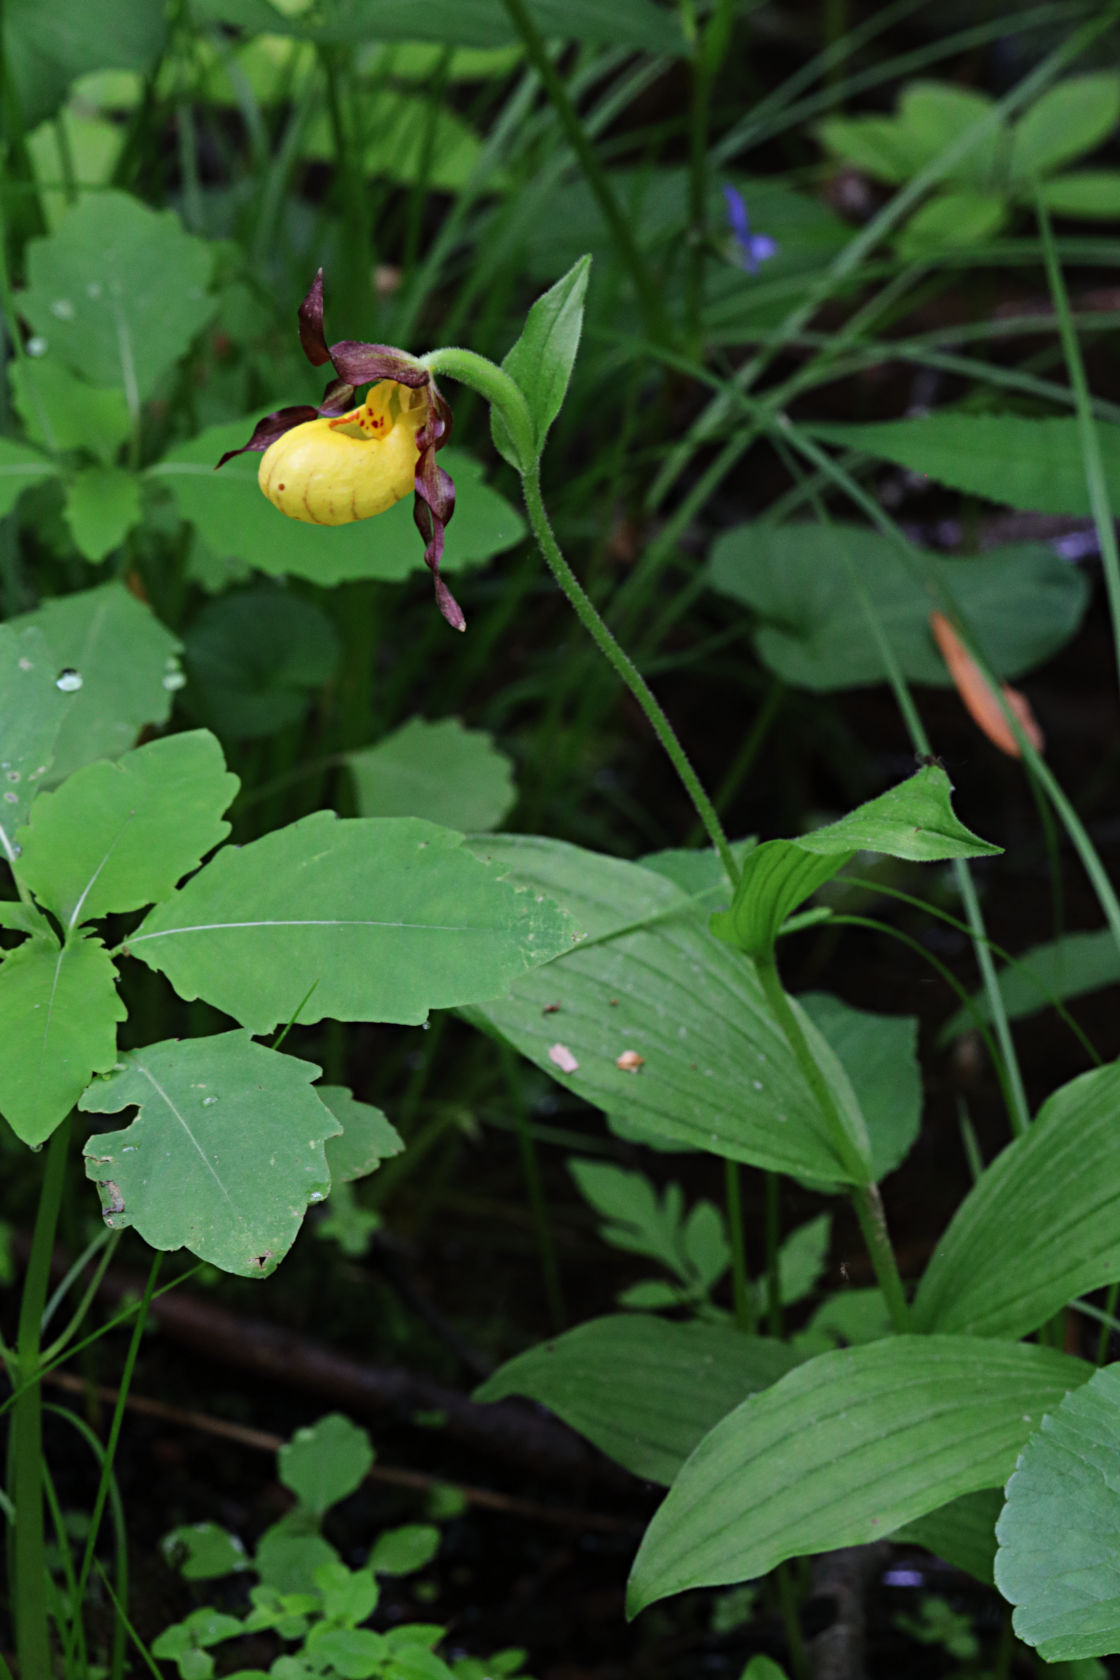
437 770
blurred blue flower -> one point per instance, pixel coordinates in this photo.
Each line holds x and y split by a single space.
751 249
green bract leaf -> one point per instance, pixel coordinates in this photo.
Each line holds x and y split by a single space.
440 771
386 919
844 1450
60 411
1026 463
367 1137
118 292
914 820
1059 1535
58 1027
718 1074
1040 1226
325 1462
118 836
102 506
230 513
32 709
645 1391
1023 602
1067 121
20 468
256 657
225 1152
127 664
542 359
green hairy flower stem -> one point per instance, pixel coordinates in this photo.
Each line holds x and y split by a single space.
865 1197
505 395
746 1316
25 1447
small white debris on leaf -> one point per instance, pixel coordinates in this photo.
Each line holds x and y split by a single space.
562 1056
629 1061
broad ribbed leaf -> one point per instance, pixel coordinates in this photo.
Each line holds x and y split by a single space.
1034 464
1059 1534
385 918
32 709
224 1154
1022 601
844 1450
128 664
717 1075
117 836
644 1390
439 770
1041 1225
231 515
58 1027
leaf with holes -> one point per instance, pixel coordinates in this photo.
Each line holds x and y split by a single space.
224 1154
58 1027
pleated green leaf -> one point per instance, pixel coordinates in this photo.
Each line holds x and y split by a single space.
1041 1225
844 1450
644 1390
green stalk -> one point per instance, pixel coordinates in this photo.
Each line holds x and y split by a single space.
629 255
25 1448
865 1198
745 1315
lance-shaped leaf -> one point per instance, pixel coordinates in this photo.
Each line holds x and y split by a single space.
717 1073
384 918
914 820
1059 1534
844 1450
128 666
643 1390
367 1138
1041 1225
225 1152
58 1027
541 361
118 835
32 707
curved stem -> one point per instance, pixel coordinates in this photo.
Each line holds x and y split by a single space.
611 650
493 383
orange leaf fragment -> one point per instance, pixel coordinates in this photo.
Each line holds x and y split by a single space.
979 700
629 1061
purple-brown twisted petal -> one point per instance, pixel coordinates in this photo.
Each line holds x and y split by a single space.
434 503
273 426
311 324
361 364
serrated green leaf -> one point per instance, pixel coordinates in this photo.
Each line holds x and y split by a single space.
20 468
438 770
844 1450
102 506
1042 1223
1059 1533
801 1260
255 658
128 664
325 1462
386 919
118 291
32 710
61 411
541 361
58 1027
117 836
224 1154
1022 601
717 1077
366 1140
644 1390
1034 464
235 519
1065 122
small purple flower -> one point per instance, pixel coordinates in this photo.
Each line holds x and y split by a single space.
751 249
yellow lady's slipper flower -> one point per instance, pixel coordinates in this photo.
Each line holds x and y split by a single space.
333 464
